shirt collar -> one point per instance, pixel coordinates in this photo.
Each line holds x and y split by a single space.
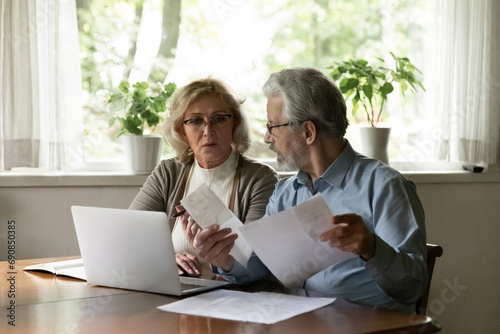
335 174
302 178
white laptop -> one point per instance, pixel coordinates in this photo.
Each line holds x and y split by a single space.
133 250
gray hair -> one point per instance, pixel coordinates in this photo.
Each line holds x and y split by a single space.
309 95
180 101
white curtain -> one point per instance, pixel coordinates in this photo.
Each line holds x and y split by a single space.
467 85
41 117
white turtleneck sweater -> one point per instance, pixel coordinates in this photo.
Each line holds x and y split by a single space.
220 179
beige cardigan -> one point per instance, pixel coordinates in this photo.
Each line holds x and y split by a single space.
164 188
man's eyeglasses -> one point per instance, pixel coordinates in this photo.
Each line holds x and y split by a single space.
218 121
271 127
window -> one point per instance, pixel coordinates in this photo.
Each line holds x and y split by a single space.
242 42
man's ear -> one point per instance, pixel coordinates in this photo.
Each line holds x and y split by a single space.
310 132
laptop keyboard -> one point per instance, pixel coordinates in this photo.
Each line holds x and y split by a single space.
188 286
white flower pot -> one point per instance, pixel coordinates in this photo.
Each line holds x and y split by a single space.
375 142
142 154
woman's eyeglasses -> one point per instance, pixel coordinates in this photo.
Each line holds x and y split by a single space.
218 121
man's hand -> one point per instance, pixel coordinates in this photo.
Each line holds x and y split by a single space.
350 234
188 263
214 244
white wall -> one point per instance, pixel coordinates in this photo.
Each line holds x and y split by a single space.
465 220
44 226
463 217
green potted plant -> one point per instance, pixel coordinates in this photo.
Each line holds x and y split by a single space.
140 109
368 87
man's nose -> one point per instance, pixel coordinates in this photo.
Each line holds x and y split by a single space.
267 137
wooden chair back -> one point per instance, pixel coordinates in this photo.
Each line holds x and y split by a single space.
433 252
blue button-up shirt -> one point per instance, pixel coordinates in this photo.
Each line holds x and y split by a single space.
397 275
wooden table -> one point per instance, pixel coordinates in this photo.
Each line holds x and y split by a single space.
48 304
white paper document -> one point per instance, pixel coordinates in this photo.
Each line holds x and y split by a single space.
260 307
288 242
207 209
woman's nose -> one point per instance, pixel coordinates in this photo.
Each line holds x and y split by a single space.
208 128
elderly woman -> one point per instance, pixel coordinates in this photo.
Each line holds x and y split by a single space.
209 133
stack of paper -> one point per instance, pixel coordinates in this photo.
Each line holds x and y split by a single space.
260 307
287 242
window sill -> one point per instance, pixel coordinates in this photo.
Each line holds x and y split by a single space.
123 179
452 177
76 179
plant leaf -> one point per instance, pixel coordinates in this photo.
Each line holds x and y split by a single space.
112 121
347 84
404 86
140 86
170 88
355 107
361 62
117 102
159 105
153 119
133 125
335 74
386 89
348 94
368 90
124 87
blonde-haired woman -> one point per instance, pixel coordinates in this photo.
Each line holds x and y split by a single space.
209 133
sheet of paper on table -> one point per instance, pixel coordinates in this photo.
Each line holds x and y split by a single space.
260 307
207 209
288 242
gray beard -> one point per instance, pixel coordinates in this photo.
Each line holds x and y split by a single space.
294 162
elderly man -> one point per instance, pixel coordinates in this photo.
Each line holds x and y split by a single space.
378 215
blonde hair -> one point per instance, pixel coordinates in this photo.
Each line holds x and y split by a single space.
180 101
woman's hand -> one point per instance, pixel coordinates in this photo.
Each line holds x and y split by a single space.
188 263
189 226
213 244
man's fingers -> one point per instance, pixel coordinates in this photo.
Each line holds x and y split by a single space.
342 226
219 247
223 244
222 249
211 234
228 247
345 218
337 232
